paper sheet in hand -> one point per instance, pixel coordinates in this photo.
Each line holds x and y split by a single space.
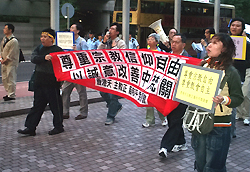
197 46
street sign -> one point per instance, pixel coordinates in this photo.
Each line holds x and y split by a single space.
67 10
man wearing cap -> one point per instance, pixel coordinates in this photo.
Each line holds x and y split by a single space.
133 44
46 87
9 58
91 42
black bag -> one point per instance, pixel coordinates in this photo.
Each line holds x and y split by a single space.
21 56
31 82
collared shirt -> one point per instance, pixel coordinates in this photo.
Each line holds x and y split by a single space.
133 43
98 42
179 54
120 44
81 44
92 44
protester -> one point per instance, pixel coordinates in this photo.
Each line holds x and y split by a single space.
46 87
166 46
152 41
204 42
91 42
174 138
9 58
237 26
112 41
133 44
211 149
99 40
80 44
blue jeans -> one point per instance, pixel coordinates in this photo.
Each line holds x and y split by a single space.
211 149
113 104
233 121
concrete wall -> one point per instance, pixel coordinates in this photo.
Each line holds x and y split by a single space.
25 8
28 34
38 13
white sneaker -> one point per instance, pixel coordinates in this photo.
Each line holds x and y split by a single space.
164 122
163 152
246 122
178 148
146 125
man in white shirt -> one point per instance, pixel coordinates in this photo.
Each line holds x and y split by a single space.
80 44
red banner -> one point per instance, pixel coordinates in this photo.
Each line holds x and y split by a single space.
144 77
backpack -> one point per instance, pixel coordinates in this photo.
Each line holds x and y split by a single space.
21 56
198 121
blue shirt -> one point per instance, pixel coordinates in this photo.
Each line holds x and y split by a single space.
92 44
81 44
133 43
98 42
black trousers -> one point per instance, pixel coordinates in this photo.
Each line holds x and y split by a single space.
175 134
42 97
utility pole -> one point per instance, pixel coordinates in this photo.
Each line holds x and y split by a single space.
54 14
177 15
125 20
217 16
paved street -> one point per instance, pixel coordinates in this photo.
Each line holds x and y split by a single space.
88 145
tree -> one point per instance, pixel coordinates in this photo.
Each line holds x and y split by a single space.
241 8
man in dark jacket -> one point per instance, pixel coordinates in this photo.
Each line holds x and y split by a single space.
174 138
46 87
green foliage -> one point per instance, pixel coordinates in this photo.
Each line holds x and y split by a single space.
72 2
242 8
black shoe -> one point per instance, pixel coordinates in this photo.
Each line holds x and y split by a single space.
4 97
27 131
79 117
8 98
56 131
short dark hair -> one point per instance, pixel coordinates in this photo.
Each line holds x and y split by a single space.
10 26
183 37
242 22
79 27
118 27
211 30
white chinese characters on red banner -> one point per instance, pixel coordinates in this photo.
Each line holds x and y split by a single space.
145 77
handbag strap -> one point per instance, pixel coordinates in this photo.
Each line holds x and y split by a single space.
8 41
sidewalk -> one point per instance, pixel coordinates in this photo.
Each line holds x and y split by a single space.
24 100
89 146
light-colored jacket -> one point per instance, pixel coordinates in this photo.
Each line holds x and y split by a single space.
10 51
120 44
